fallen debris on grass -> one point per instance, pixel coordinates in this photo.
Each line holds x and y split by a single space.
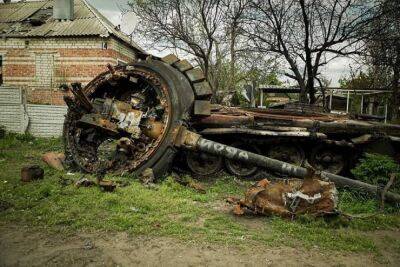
85 182
107 185
31 173
54 160
288 198
147 176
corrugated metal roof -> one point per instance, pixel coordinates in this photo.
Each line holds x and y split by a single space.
7 10
111 28
22 14
81 27
4 27
14 21
16 12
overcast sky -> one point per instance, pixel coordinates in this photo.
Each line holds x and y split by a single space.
111 9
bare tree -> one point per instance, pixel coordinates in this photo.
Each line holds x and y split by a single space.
233 18
190 26
310 33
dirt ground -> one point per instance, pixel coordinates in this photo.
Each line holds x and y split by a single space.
22 246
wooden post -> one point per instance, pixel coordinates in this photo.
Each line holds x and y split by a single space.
330 100
261 98
348 101
362 104
386 111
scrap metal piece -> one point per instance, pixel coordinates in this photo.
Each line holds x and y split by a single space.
290 197
54 160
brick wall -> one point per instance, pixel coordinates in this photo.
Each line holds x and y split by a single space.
41 65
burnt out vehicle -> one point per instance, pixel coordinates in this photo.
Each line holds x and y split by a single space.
135 117
328 142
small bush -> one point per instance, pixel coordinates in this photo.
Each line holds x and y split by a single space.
27 137
375 169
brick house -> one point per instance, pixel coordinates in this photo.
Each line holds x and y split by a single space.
46 44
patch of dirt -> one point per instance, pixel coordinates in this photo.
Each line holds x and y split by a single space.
383 239
21 246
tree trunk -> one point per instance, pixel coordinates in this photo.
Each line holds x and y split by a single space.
303 94
307 50
395 99
310 88
233 58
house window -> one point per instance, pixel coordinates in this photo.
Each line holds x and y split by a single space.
1 69
44 64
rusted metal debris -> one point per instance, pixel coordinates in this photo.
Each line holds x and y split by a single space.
31 173
289 198
54 160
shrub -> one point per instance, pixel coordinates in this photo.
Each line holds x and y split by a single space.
376 169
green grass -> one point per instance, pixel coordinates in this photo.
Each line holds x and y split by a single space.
170 209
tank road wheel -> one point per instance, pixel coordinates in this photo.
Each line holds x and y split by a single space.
203 164
289 153
328 158
242 169
124 120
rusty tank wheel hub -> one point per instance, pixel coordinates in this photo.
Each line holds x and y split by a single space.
203 164
241 169
329 159
290 153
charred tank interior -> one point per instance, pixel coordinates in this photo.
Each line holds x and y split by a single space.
122 124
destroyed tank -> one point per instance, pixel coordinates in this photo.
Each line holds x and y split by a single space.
130 118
